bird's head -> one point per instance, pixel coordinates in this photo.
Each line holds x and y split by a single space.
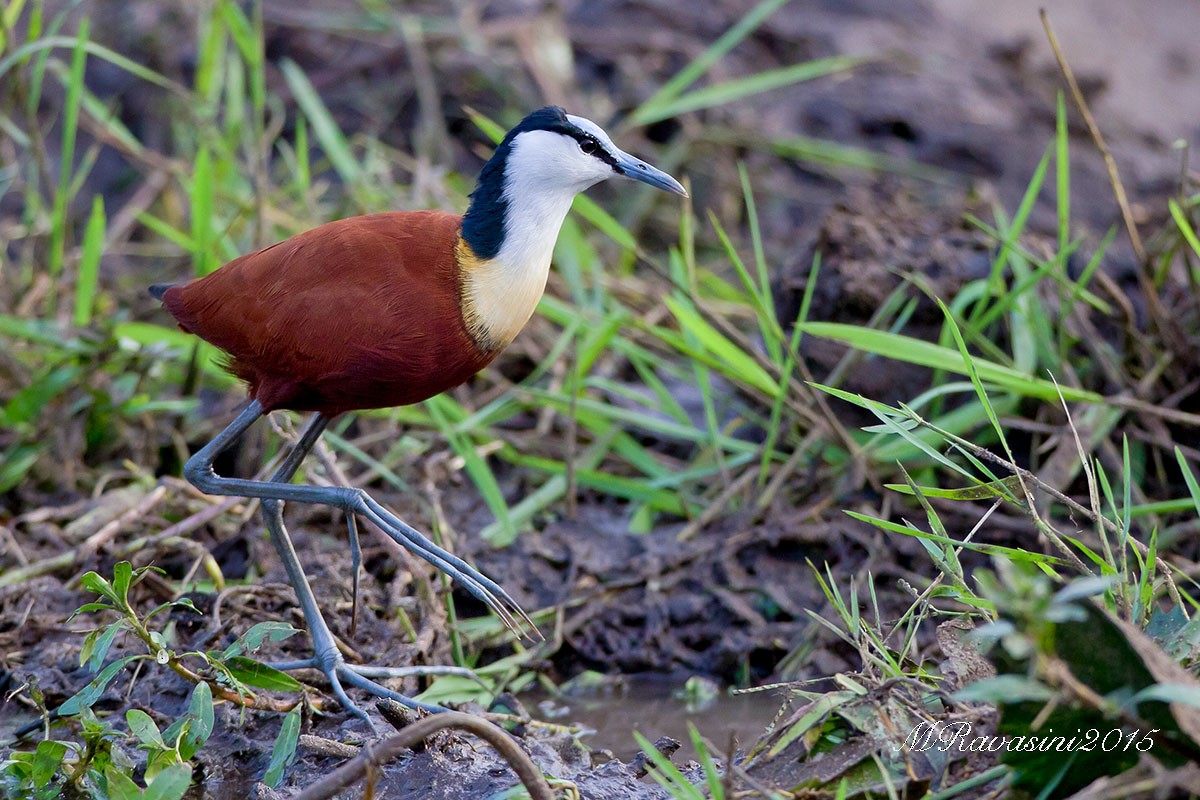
543 162
555 149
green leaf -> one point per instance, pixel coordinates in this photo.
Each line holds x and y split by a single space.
984 491
122 577
46 761
200 709
1189 478
1184 694
667 774
16 462
89 264
1004 689
729 358
332 140
729 91
201 197
284 751
94 582
88 608
27 403
102 643
261 632
671 90
143 727
121 786
928 354
170 784
255 673
89 694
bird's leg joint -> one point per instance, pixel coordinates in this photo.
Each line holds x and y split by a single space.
351 499
199 473
326 655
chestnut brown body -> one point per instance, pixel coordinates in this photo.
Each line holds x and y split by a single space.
365 312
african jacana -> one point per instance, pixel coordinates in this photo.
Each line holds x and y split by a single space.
386 310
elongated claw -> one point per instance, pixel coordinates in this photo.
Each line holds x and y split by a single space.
483 588
356 566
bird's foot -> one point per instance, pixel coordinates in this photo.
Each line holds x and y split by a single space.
341 674
357 501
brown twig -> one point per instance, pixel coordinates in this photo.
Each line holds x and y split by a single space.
1110 163
374 756
1161 317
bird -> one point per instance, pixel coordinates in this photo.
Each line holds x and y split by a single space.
386 310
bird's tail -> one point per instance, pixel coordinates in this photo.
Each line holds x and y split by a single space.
159 289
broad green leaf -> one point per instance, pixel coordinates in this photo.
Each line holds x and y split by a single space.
89 694
121 786
93 582
284 751
46 761
1004 689
261 632
259 675
144 728
102 643
122 576
170 784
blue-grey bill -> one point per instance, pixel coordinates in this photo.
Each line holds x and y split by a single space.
631 167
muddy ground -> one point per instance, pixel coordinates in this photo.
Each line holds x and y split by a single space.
968 93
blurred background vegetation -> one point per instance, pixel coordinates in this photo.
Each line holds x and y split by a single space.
903 329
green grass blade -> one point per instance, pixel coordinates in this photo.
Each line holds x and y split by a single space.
1189 478
66 168
440 409
928 354
48 43
89 264
730 91
201 197
726 356
330 136
692 72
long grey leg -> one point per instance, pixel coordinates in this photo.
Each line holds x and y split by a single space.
199 471
326 657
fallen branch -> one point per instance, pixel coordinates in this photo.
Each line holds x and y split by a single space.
374 756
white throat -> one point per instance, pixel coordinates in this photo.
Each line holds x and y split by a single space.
541 178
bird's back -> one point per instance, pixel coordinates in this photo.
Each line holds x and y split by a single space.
363 312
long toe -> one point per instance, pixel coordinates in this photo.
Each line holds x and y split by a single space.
346 702
482 587
337 671
351 676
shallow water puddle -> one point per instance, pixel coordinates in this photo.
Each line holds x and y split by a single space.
656 706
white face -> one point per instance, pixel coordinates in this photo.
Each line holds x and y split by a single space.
548 161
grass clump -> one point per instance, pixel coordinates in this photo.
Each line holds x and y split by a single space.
1044 468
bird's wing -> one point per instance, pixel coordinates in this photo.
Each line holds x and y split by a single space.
311 308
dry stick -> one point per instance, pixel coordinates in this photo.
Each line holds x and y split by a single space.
1145 281
106 534
69 557
1109 162
717 506
376 755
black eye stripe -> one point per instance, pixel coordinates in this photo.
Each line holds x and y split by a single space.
589 145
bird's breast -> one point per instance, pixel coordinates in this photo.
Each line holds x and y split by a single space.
499 297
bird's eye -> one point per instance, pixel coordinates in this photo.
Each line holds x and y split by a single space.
588 146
